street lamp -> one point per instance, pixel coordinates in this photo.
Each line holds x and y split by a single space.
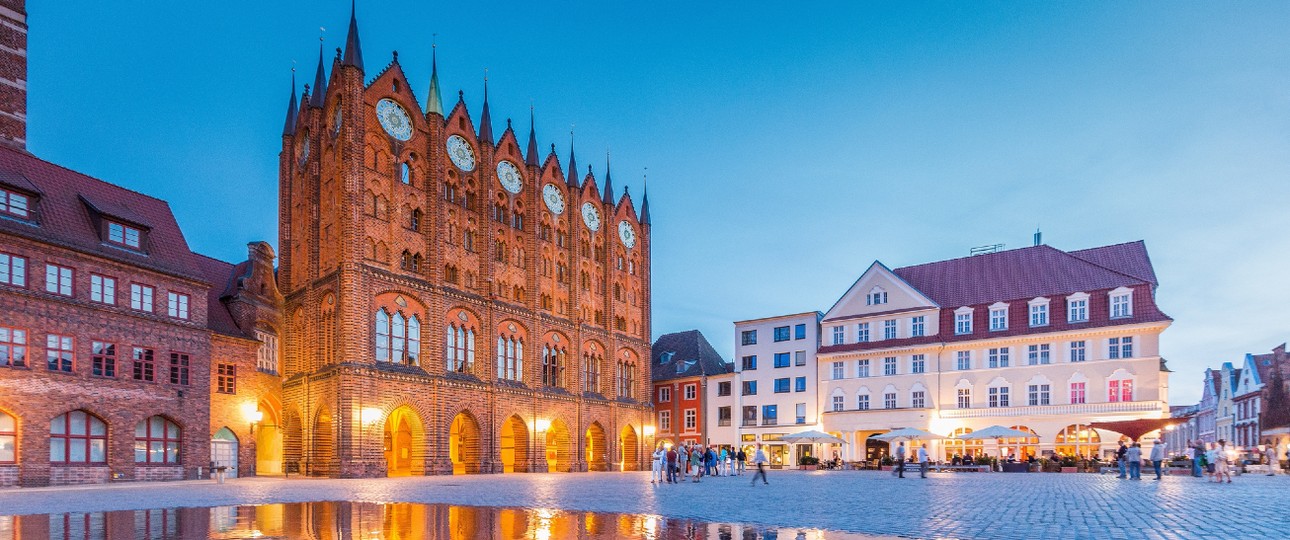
253 414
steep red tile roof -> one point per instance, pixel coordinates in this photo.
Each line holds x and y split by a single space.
63 214
1023 273
1129 258
220 275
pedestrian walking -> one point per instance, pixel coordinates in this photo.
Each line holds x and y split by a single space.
1274 458
742 458
899 470
1197 455
1218 457
696 463
709 462
922 461
1121 458
1134 456
1158 456
672 467
759 460
656 466
1281 456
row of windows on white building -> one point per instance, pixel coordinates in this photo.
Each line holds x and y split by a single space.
1121 306
995 357
1118 389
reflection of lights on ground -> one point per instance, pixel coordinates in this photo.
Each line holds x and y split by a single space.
543 529
651 527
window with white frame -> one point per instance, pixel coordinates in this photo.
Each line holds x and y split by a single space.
918 363
1121 303
1039 312
862 332
141 297
838 370
965 398
838 403
177 305
665 421
998 318
1120 347
1119 390
839 335
889 365
1038 355
862 368
58 279
1077 308
998 396
862 402
800 410
102 289
1077 351
918 326
1078 393
876 297
13 270
1039 394
889 400
963 360
691 391
664 394
998 357
266 358
889 329
918 399
691 419
963 322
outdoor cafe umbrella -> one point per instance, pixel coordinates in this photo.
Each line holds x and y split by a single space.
812 437
996 432
906 434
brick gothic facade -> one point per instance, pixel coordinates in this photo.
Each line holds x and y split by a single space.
437 322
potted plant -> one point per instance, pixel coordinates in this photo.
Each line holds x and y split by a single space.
887 463
1069 464
808 463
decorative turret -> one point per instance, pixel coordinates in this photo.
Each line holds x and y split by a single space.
320 81
572 175
607 196
353 47
532 158
290 127
434 103
485 119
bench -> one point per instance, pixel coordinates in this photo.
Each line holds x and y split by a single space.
964 468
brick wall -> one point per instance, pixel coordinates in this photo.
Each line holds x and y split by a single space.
13 73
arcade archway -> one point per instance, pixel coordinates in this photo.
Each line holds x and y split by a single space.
559 447
629 449
403 442
463 444
597 456
514 445
269 436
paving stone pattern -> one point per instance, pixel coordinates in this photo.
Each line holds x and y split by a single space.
946 505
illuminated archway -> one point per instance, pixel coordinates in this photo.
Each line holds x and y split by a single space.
269 439
463 444
559 447
514 445
1077 440
629 449
1022 447
322 445
403 442
963 448
597 456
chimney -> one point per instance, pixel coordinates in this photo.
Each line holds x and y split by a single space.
13 73
1039 237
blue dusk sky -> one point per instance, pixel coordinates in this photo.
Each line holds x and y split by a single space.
788 145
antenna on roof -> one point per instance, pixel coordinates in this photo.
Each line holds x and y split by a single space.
986 250
1039 236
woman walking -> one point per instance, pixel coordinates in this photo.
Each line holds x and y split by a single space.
696 463
1218 458
759 459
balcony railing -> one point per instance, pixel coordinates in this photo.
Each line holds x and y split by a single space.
1040 410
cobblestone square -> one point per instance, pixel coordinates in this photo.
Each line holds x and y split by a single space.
946 505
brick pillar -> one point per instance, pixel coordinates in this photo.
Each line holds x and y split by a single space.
13 73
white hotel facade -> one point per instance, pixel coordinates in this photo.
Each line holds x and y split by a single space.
1035 339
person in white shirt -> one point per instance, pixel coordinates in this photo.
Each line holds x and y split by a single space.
1157 456
922 461
656 473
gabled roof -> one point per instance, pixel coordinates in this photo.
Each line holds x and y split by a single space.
1028 272
685 354
63 215
221 276
1129 258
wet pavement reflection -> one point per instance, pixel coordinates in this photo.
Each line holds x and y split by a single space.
392 521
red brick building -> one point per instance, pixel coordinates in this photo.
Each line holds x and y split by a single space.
453 303
682 363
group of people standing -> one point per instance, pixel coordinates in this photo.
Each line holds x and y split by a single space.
1215 460
672 464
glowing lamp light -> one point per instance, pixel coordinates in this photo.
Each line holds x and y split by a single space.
370 415
252 413
649 431
542 424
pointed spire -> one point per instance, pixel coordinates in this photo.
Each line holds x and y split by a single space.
353 48
320 81
572 175
290 127
608 195
434 103
645 201
485 119
532 157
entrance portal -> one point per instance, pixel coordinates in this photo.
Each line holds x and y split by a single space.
403 441
224 451
629 449
514 443
559 448
463 444
597 457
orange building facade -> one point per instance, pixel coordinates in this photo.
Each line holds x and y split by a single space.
452 304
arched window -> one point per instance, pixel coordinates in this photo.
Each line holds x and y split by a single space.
416 263
382 336
510 357
553 359
77 437
961 447
626 379
591 372
156 440
414 222
460 353
405 260
398 338
8 438
405 173
1077 440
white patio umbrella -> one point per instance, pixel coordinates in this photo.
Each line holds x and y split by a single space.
906 434
812 437
995 432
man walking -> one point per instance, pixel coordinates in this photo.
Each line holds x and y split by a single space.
656 466
900 460
922 460
1134 456
742 458
759 460
1157 456
670 457
1121 459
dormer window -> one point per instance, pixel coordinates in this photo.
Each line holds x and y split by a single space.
15 204
998 317
124 235
963 321
1039 312
1077 308
1121 303
876 297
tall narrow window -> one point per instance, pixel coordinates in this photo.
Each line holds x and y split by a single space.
382 336
8 438
965 398
58 353
179 368
266 359
58 280
1078 393
144 368
102 289
13 347
226 379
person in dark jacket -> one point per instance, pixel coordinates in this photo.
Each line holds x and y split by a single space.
1121 457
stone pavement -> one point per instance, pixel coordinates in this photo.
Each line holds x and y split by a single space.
946 505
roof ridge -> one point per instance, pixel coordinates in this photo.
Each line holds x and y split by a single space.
983 256
204 256
94 178
1100 265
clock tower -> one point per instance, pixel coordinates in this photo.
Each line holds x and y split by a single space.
446 311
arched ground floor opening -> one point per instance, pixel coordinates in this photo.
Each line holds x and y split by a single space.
559 447
464 444
597 454
224 447
514 445
628 449
404 443
269 440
